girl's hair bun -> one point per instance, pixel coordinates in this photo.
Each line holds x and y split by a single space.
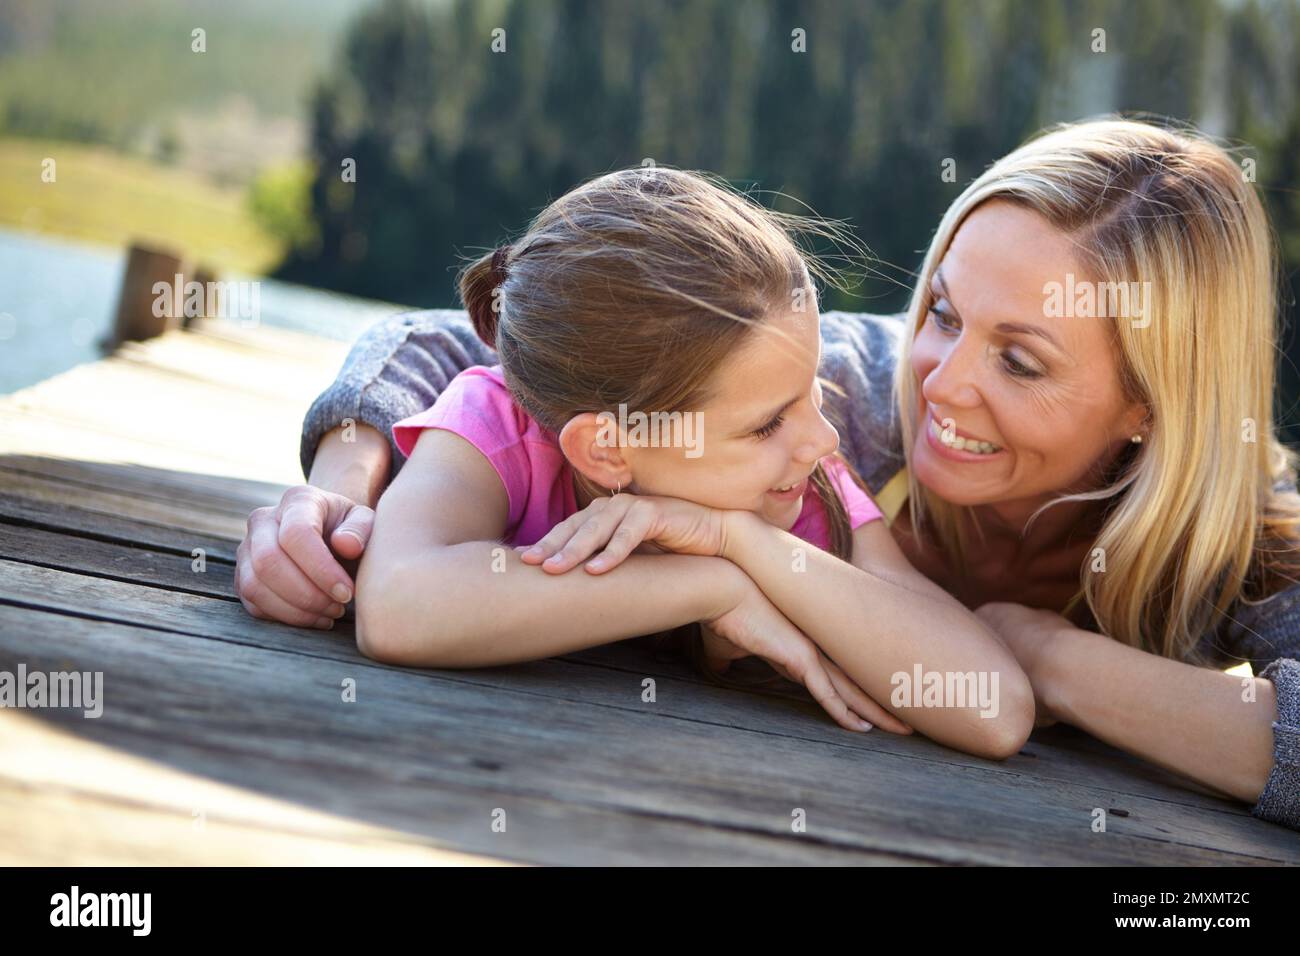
479 283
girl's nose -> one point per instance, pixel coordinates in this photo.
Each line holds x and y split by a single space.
821 441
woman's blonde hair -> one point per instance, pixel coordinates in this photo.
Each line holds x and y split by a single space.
1190 518
633 288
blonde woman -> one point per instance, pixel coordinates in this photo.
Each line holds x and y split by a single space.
1095 473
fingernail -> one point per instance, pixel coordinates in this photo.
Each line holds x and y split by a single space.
336 610
342 593
325 623
865 725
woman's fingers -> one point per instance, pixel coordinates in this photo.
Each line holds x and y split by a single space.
261 602
862 703
301 536
274 572
352 535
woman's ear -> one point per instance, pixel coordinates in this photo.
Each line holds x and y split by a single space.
591 444
1136 420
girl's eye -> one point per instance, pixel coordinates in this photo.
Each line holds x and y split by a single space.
942 319
770 428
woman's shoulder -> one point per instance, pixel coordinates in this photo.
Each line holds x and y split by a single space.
477 405
859 353
1257 631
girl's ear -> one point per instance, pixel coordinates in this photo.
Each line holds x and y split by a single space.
591 444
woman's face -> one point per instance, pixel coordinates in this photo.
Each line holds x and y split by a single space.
761 431
1040 396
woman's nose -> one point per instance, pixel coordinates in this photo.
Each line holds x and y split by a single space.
950 380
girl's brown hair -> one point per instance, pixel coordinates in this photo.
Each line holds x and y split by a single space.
632 289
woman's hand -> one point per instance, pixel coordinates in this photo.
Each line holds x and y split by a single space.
754 626
622 524
1029 633
285 570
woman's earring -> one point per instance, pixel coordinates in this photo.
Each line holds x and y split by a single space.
620 488
1136 439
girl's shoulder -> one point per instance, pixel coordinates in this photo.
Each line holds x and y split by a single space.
477 406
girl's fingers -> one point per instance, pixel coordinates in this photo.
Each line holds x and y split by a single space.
861 703
591 534
813 676
632 531
554 539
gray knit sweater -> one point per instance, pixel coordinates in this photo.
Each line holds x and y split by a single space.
400 365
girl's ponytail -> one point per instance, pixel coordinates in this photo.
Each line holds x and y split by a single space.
479 283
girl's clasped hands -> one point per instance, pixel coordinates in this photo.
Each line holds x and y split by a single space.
626 523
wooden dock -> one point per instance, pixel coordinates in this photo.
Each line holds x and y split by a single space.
227 740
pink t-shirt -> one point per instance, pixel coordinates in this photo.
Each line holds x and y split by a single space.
477 406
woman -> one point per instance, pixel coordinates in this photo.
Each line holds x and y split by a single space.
1096 474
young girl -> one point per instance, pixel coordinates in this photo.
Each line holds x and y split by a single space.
658 295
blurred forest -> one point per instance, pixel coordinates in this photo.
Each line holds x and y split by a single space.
460 135
457 146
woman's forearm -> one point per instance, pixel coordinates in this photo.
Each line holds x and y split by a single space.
876 627
476 604
1213 727
352 462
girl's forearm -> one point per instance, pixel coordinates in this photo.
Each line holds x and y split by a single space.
352 463
876 627
1213 727
476 604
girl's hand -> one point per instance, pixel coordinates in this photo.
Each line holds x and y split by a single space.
623 523
756 627
1029 633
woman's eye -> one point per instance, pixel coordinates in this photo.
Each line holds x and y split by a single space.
770 428
1018 368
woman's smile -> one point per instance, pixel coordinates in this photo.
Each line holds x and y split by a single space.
953 446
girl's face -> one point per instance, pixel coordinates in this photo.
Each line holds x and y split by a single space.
1042 394
763 430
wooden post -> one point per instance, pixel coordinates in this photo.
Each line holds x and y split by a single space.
136 319
206 278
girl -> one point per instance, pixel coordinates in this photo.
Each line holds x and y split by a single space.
669 295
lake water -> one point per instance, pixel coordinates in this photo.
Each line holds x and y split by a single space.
58 298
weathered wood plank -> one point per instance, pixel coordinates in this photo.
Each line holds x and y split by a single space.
160 569
68 802
1053 754
194 714
92 525
230 708
179 517
224 495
